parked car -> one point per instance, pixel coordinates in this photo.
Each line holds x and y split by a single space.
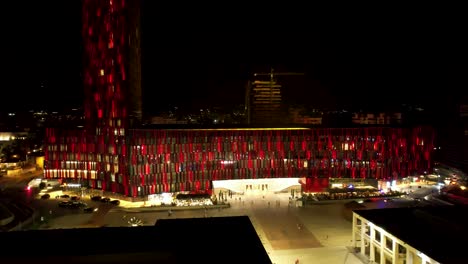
96 198
76 205
90 209
45 196
64 204
105 200
115 202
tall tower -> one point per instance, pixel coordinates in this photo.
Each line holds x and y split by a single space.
112 83
263 100
112 66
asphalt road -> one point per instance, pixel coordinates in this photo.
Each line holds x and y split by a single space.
18 181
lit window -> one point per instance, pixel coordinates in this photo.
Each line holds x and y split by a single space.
102 72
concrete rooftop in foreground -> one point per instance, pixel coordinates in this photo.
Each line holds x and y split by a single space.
189 240
439 232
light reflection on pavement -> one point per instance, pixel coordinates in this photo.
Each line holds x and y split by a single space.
322 237
316 234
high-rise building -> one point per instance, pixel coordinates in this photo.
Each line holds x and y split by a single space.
112 84
266 102
112 64
263 101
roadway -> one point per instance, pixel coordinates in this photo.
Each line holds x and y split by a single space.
14 186
424 194
20 180
15 196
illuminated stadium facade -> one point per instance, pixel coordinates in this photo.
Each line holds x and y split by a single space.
148 161
109 155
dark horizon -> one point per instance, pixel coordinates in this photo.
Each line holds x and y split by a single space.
192 65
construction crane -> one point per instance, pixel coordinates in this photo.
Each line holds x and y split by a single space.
272 74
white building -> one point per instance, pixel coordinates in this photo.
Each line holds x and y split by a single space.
420 235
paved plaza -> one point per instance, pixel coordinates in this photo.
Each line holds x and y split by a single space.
290 234
315 234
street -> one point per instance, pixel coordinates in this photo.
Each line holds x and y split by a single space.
18 181
315 234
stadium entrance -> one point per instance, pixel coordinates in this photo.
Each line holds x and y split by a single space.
258 186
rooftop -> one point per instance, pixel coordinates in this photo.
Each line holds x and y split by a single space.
439 232
204 240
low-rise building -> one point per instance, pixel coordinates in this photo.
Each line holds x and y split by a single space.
419 235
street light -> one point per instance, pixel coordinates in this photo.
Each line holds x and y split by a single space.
133 222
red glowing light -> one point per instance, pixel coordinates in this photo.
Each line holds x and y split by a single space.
155 161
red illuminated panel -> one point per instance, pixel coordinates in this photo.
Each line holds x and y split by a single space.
104 39
191 159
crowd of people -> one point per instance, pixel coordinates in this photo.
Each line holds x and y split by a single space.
325 196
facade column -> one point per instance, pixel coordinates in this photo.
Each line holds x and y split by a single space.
382 248
371 244
363 235
409 256
353 236
395 252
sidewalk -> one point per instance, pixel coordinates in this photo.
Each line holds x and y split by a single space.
166 208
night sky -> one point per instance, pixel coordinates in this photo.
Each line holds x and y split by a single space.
201 59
